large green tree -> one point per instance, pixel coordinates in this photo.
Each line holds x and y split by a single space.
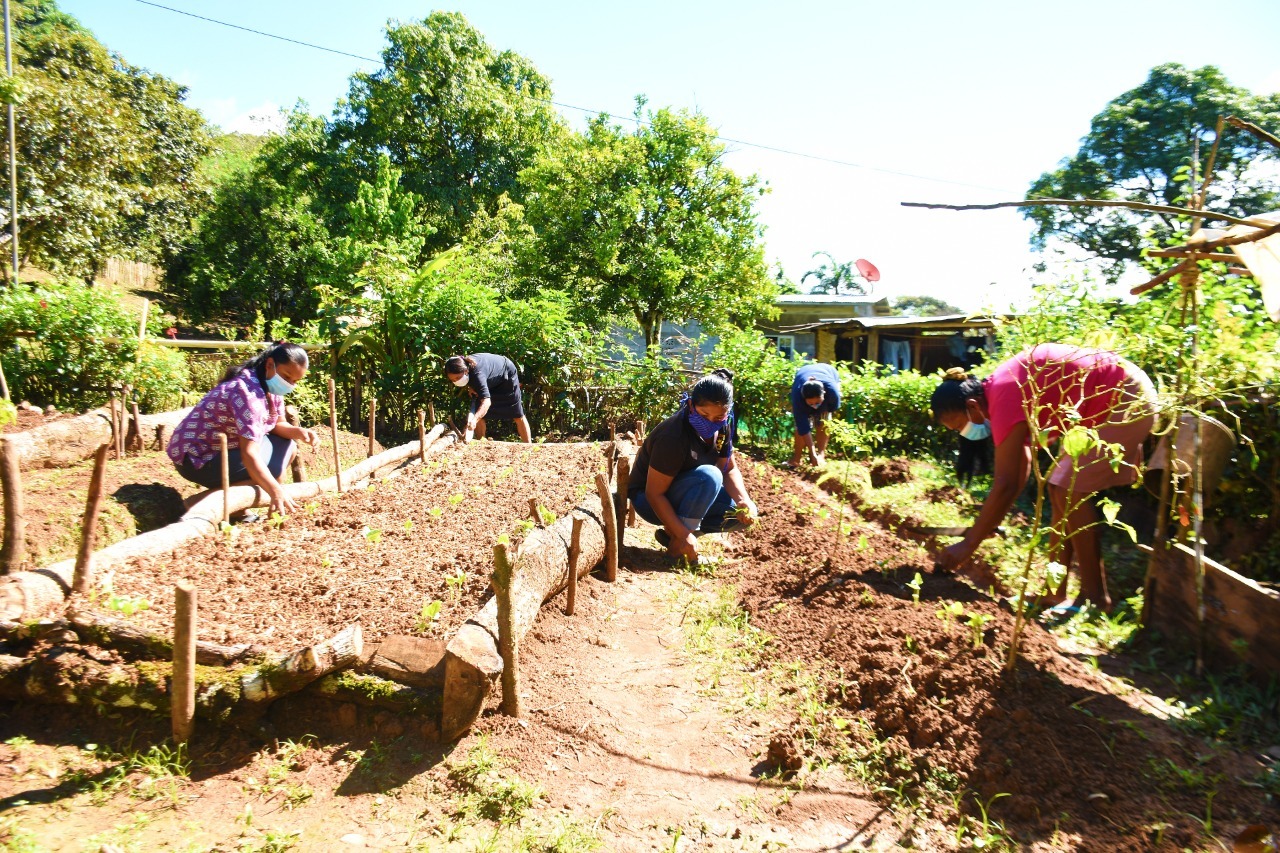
647 224
108 154
1140 148
457 117
923 306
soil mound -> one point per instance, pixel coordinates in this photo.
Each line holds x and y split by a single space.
891 472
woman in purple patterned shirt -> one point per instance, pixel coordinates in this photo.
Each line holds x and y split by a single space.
248 406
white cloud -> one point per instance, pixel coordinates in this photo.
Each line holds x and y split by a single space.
1270 83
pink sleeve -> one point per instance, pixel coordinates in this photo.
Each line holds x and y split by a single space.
1004 401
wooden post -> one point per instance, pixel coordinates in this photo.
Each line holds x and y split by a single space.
534 515
142 327
631 515
133 435
373 414
115 425
333 429
162 437
14 549
508 644
873 346
610 528
83 577
612 433
639 432
298 467
917 351
431 413
226 478
183 698
422 436
124 420
621 484
575 548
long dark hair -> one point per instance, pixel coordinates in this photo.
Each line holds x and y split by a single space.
459 364
957 388
281 352
715 388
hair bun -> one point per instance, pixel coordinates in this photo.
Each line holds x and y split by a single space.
956 373
724 373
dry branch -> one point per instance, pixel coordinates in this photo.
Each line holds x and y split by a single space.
112 633
1093 202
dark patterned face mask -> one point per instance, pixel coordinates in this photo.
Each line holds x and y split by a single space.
707 430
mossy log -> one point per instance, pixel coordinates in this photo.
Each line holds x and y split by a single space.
24 595
71 440
472 663
112 633
67 674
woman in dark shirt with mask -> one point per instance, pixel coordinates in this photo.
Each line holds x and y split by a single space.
685 479
494 386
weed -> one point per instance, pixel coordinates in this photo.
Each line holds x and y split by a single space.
428 615
15 839
19 742
488 794
160 769
272 841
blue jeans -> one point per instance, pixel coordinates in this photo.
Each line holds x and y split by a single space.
698 497
272 450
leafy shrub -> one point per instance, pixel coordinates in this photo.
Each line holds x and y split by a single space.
889 415
159 377
761 384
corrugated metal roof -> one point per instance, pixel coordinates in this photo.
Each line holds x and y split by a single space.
945 321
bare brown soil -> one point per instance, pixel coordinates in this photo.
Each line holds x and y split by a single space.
28 419
374 555
1051 748
143 491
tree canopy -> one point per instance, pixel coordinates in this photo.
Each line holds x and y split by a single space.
1140 148
923 306
832 278
648 224
458 118
108 154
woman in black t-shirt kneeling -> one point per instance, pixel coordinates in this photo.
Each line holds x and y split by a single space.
684 478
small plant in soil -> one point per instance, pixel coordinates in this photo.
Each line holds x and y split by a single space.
276 521
977 626
428 615
915 585
372 536
547 516
454 500
951 612
455 583
311 506
435 512
408 525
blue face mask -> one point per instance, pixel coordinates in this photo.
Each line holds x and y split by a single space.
279 385
707 429
975 432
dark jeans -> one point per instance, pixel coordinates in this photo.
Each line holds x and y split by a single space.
698 497
210 474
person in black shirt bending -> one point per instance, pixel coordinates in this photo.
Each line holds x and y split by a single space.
494 386
684 478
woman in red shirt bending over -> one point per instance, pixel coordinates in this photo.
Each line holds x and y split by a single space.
1058 387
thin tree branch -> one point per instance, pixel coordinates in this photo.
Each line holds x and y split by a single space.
1092 202
1254 129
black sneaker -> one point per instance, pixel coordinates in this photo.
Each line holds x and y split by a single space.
663 537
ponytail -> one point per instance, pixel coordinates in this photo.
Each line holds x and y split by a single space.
281 352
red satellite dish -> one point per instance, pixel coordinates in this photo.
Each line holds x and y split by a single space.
868 269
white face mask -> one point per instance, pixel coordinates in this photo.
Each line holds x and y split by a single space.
461 381
975 432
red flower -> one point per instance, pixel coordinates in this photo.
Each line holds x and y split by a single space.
43 304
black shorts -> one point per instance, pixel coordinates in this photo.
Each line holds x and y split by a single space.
508 406
209 475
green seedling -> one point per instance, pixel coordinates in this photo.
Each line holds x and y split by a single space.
863 544
548 517
428 615
455 583
311 507
408 525
950 612
977 626
454 500
326 561
276 521
915 585
523 527
435 512
372 536
912 646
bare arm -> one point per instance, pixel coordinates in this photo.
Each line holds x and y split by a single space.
477 415
286 430
261 477
683 541
1012 468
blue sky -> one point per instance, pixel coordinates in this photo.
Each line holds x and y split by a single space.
973 99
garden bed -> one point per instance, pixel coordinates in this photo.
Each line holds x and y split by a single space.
912 661
378 555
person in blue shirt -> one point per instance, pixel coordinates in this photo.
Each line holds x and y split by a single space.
815 394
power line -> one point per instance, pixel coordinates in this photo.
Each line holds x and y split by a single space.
771 148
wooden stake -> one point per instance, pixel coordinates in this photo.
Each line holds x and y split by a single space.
133 436
622 483
612 433
162 437
333 429
534 515
373 414
183 698
14 549
422 436
83 577
115 425
610 528
575 549
631 515
226 478
298 467
508 645
639 432
431 413
124 417
142 327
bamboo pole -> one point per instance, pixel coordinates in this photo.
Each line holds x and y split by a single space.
83 577
1162 278
183 699
298 467
14 549
333 430
373 414
575 549
622 483
422 436
508 642
610 528
226 478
